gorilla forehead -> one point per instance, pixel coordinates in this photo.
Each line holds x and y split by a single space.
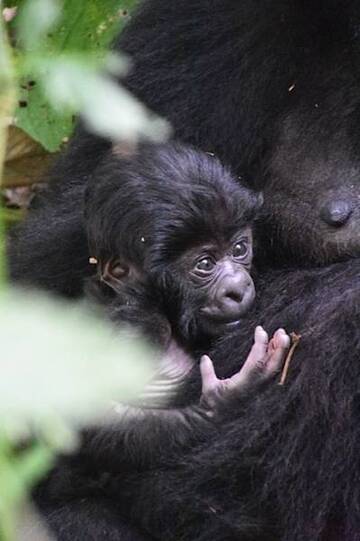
162 195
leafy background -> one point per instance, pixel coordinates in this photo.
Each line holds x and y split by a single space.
61 364
83 27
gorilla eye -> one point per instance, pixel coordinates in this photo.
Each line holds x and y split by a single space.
206 264
240 249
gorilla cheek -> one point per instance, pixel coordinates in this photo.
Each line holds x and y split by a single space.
249 297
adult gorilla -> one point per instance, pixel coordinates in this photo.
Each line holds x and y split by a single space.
273 88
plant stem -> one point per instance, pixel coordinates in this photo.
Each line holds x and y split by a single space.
7 103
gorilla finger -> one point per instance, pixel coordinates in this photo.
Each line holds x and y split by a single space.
208 375
279 339
259 348
277 353
255 362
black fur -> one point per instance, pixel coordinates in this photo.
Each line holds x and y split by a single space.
273 88
134 215
285 464
149 209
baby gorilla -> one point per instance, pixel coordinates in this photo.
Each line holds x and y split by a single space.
170 232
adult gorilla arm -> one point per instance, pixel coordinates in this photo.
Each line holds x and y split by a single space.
285 466
91 519
142 438
282 466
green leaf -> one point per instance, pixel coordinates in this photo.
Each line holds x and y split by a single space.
38 119
59 359
34 20
31 464
85 26
107 108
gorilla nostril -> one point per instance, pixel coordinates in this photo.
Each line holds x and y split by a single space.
336 213
235 296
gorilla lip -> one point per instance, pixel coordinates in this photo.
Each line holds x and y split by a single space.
233 323
217 321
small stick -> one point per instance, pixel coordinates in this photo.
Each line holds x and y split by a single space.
295 339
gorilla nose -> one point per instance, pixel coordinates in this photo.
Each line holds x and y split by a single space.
336 213
232 295
230 303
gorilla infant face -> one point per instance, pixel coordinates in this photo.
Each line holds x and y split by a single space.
213 279
220 274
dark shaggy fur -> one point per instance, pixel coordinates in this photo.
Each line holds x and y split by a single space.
285 466
135 216
273 88
288 467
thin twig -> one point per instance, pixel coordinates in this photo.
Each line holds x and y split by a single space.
295 339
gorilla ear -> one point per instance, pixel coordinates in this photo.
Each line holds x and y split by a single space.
124 149
113 273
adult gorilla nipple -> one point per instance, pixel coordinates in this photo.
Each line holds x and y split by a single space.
336 213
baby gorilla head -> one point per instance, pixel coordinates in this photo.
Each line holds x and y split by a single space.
170 229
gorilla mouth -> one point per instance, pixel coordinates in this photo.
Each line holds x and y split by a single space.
218 327
218 317
232 323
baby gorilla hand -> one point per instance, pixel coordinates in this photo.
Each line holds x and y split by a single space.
263 362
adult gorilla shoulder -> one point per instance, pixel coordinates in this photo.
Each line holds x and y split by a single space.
264 87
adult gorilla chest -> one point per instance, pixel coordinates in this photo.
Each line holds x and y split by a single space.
273 89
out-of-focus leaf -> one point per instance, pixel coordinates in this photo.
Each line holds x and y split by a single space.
26 160
35 19
36 117
76 362
31 463
11 216
84 26
18 472
108 109
30 525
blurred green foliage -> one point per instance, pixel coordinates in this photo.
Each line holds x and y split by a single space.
60 364
61 367
49 31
